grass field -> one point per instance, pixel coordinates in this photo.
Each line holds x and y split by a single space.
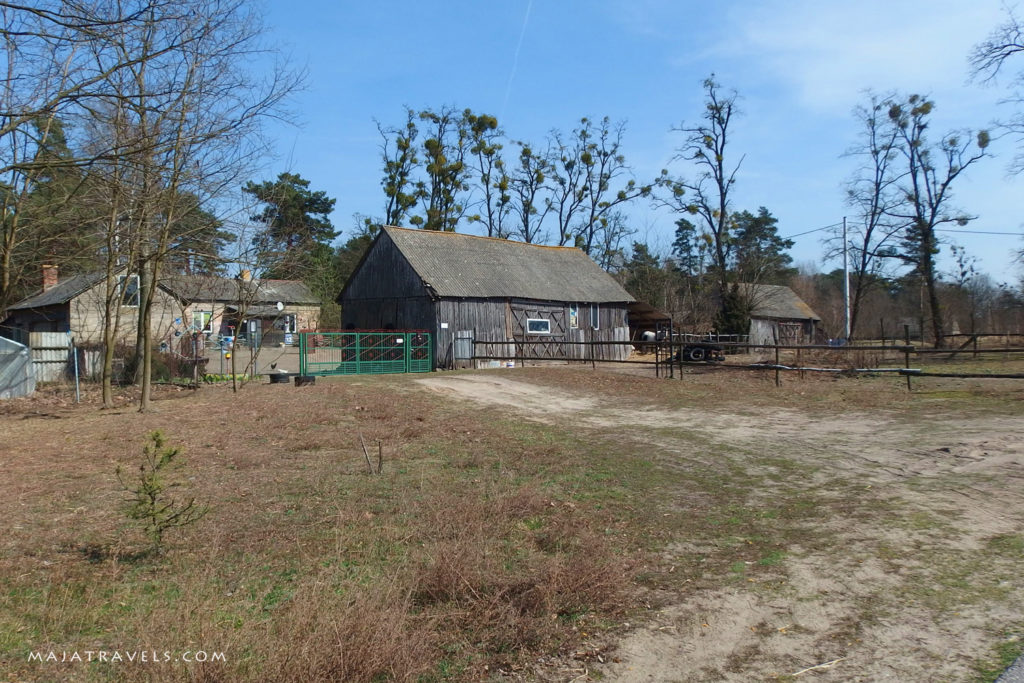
533 524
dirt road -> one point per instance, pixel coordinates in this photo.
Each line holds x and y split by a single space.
904 567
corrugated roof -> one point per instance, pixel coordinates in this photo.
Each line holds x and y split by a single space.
211 288
186 287
61 293
776 301
466 266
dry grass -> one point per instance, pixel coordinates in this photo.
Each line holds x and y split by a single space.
464 557
487 544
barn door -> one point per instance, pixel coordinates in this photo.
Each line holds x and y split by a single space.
791 334
464 349
534 344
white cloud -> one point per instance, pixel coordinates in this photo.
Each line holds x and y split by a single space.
829 53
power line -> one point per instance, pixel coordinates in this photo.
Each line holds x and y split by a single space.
980 232
801 234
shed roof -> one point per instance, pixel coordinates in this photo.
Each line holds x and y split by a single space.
467 266
185 287
779 302
61 293
222 289
643 314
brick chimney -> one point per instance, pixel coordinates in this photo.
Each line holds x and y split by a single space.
49 277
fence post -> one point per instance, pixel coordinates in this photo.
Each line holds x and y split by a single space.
678 356
906 353
74 351
195 360
775 336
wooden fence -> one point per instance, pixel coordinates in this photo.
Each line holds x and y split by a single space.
668 357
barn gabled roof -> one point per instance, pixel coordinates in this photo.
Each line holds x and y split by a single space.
779 303
467 266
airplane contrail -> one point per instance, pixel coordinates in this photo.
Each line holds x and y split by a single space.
515 61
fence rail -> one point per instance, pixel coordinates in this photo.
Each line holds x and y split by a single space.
668 356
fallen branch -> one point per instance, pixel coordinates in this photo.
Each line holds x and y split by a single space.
816 667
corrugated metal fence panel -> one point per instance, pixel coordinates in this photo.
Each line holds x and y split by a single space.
50 354
16 375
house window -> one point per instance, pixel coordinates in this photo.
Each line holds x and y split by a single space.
202 321
286 323
595 318
538 326
128 285
574 317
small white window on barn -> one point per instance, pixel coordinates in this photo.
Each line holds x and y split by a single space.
595 317
574 317
538 326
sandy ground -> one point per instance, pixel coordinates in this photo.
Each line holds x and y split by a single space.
851 612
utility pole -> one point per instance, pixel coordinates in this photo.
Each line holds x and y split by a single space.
846 286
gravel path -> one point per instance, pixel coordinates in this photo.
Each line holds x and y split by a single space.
1015 674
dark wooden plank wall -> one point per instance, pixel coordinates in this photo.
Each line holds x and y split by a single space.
486 318
384 274
505 321
410 313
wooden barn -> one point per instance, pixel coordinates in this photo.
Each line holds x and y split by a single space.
528 299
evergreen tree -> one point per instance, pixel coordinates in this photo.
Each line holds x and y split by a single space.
759 254
296 226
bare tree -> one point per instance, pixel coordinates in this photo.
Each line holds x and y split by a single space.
926 188
528 186
58 71
195 113
493 181
583 169
708 195
442 194
873 193
989 59
398 153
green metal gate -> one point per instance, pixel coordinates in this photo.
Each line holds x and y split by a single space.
365 353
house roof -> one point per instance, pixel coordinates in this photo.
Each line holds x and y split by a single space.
466 266
185 287
776 301
221 289
61 293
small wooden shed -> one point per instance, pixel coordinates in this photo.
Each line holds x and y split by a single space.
779 314
462 288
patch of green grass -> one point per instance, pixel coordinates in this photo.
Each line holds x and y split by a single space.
772 559
1003 655
1007 545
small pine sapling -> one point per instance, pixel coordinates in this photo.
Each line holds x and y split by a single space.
149 500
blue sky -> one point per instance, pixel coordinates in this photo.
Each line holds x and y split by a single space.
800 66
